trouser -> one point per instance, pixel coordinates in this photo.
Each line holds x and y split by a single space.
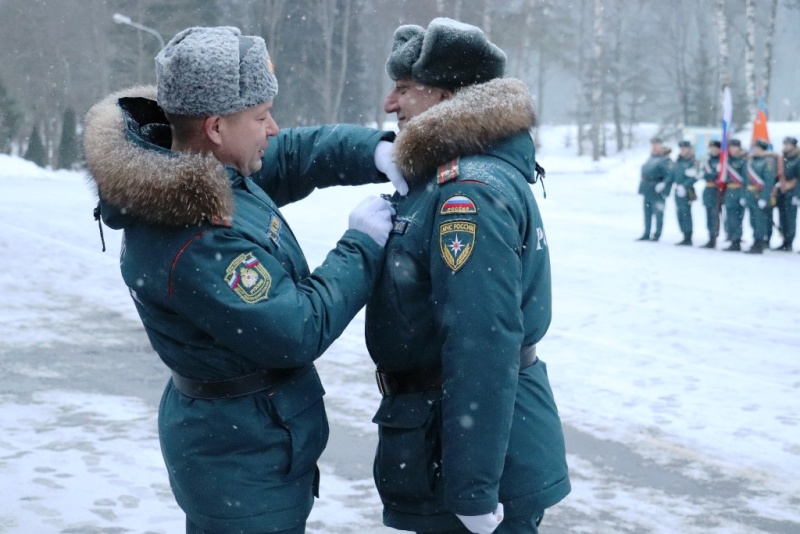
734 214
684 214
758 216
653 208
713 212
787 215
518 525
191 528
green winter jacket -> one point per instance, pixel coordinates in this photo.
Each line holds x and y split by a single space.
656 169
709 172
466 285
682 172
791 168
223 289
761 175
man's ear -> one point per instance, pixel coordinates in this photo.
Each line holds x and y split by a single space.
447 94
212 128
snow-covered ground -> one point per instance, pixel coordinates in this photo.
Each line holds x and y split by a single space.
676 370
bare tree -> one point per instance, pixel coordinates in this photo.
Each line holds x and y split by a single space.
722 37
597 81
769 38
580 97
750 57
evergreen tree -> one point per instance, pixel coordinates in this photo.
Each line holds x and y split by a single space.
36 152
10 118
68 147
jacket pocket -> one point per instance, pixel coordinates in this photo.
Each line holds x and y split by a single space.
407 467
299 409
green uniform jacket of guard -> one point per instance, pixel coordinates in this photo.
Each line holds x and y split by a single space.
656 169
709 172
465 285
678 173
223 289
791 168
761 174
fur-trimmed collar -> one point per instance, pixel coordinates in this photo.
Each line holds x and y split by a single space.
793 153
153 185
472 121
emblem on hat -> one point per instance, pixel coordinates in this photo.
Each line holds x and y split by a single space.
248 278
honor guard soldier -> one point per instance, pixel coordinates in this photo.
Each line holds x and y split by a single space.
712 199
788 194
735 170
683 175
761 166
655 172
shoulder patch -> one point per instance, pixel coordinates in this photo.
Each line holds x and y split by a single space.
274 231
458 204
248 278
456 242
447 172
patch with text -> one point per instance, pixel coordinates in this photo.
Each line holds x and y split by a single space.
456 242
248 278
458 204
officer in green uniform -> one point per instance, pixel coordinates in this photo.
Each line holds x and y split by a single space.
683 174
761 168
652 186
711 199
218 278
786 199
468 427
734 178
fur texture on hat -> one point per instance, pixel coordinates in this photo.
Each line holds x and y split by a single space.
214 71
449 54
790 140
685 144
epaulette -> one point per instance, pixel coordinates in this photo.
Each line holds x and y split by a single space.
447 172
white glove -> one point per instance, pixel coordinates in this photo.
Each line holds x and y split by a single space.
483 524
691 172
742 202
680 191
762 203
660 186
373 216
796 201
385 164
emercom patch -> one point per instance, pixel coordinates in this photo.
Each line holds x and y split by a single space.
456 242
248 278
275 229
458 204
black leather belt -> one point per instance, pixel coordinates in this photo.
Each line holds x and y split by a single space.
232 387
419 381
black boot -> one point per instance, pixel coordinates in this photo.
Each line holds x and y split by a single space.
645 237
655 237
786 247
735 246
758 247
687 241
712 243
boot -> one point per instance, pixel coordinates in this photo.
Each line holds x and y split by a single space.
687 241
786 247
758 247
645 237
712 243
655 237
735 246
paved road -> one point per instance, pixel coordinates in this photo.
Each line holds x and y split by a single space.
107 353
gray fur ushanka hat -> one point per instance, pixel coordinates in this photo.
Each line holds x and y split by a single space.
449 54
214 71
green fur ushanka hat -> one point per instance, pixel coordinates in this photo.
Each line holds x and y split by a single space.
214 71
449 54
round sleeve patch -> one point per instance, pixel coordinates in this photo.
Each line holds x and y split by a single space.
458 204
248 278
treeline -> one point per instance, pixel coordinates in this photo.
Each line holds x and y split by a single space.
626 61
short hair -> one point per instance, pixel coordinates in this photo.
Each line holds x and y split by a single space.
185 127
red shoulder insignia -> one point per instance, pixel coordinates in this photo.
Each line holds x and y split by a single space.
448 172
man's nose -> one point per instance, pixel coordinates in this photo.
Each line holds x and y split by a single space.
390 104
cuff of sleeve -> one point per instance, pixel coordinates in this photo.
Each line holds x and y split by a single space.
472 506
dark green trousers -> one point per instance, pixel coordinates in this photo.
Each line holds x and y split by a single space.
653 209
191 528
519 525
